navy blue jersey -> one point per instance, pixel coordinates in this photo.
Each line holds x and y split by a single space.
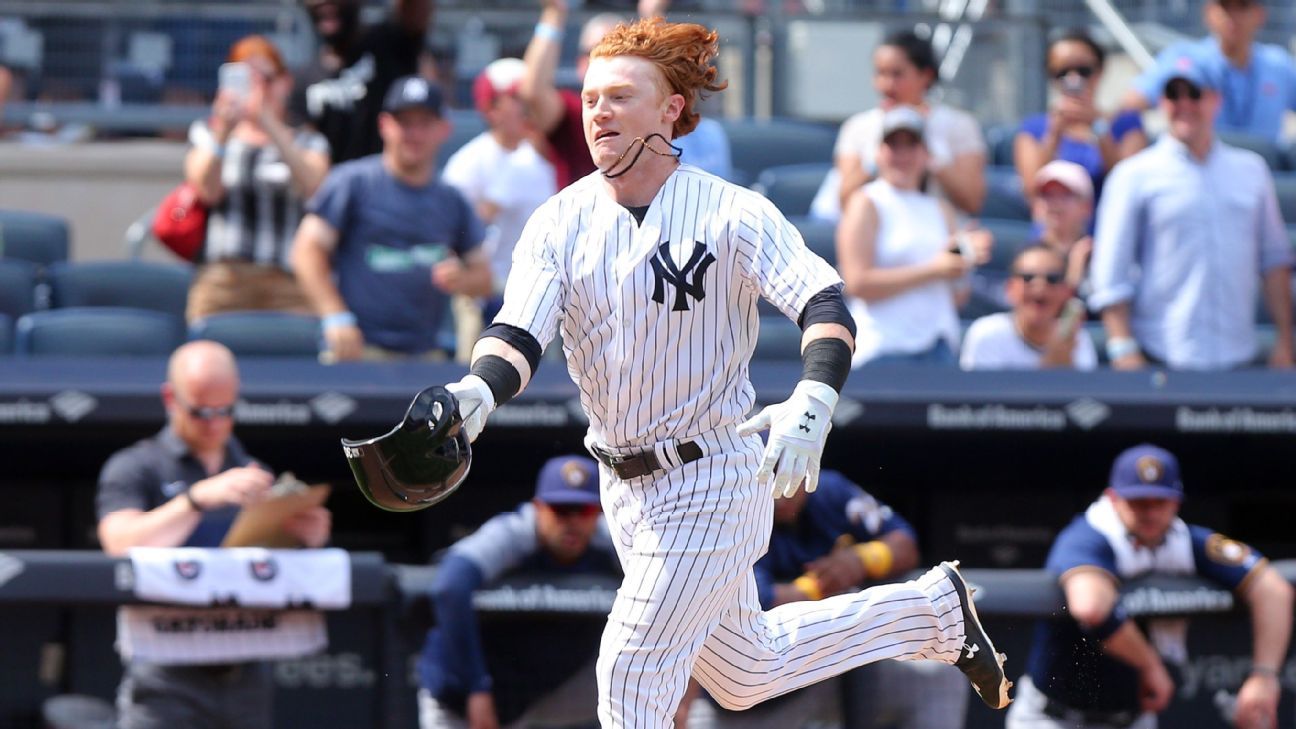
837 507
1067 663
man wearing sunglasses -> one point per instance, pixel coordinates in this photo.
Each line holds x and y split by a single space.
1258 80
544 682
183 487
1034 334
1187 230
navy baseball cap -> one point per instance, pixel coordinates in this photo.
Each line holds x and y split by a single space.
1147 472
568 480
1196 70
413 92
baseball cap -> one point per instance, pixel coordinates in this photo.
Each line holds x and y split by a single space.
568 480
1067 174
1200 72
500 77
409 92
1146 471
903 119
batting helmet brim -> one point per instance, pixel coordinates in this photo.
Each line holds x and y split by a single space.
418 463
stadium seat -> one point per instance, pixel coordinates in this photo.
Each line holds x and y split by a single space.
261 333
138 284
35 237
757 145
1285 189
1010 236
102 330
6 334
1004 198
820 237
792 187
779 340
17 287
1266 148
999 144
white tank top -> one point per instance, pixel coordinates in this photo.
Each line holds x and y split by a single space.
911 230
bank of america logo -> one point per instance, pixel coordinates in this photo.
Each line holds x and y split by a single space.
72 405
332 407
1087 412
10 567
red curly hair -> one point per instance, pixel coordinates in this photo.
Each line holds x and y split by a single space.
681 51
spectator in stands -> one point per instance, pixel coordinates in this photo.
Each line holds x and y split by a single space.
341 91
183 487
1092 666
1062 208
556 112
546 680
900 255
835 540
399 241
1074 129
253 172
904 71
6 88
499 170
1032 336
1258 80
1191 226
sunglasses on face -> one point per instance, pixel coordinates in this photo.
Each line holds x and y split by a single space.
567 511
1051 278
1181 90
206 412
1081 71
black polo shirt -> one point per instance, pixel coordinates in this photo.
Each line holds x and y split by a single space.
155 470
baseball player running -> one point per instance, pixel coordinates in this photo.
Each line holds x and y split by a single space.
651 268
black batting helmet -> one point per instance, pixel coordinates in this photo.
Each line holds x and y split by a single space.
420 462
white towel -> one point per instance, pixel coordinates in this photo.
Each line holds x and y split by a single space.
205 636
245 576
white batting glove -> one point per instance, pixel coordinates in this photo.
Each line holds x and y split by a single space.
476 403
798 428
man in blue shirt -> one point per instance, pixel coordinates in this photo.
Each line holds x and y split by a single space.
1188 229
834 540
1093 666
1258 82
560 532
384 243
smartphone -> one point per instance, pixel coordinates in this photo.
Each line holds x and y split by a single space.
1071 316
1072 85
235 78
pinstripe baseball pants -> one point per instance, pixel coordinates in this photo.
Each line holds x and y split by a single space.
687 538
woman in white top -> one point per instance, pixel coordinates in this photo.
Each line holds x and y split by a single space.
904 71
253 172
1035 334
903 264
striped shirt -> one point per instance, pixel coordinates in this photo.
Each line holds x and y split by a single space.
659 320
256 219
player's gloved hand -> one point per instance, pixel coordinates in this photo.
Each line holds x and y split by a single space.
798 428
476 403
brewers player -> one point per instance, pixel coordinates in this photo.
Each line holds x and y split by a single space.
652 268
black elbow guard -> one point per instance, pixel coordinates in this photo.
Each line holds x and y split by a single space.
827 307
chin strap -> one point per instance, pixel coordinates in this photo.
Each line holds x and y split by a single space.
643 144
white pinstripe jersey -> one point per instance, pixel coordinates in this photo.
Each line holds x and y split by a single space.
659 345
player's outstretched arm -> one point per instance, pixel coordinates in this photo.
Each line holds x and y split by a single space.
502 365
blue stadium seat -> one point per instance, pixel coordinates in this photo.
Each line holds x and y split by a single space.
820 237
1010 236
6 334
261 333
1004 198
757 145
1266 148
779 340
1285 189
17 287
999 144
102 330
35 237
792 187
137 284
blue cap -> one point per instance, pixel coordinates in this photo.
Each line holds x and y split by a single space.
413 92
1201 72
568 480
1147 472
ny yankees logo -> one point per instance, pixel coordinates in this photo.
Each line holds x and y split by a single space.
806 417
666 272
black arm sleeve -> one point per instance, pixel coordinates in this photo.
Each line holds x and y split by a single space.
519 339
829 307
826 360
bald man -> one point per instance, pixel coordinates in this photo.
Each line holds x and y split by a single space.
183 487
